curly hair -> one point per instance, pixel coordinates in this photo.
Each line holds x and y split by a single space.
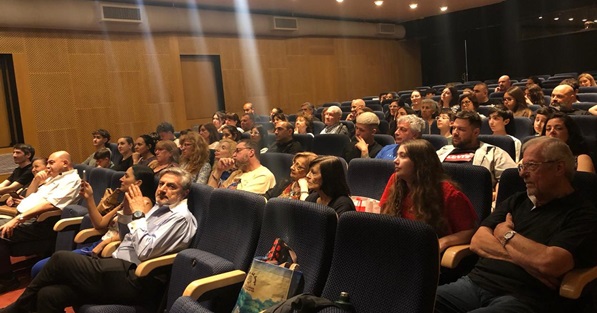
536 95
199 153
426 188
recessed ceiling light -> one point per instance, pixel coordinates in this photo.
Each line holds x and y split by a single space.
378 2
443 9
413 5
584 19
571 19
556 18
540 17
339 1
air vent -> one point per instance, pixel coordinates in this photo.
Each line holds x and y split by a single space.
387 29
285 23
121 13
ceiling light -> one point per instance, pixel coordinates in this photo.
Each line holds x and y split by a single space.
378 2
540 17
556 18
443 9
571 19
584 19
339 1
413 5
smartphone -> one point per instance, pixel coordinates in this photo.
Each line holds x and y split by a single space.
84 176
15 195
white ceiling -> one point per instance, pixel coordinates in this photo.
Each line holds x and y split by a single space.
391 10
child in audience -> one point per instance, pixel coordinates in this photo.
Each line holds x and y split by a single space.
540 117
444 124
515 101
102 158
501 121
101 137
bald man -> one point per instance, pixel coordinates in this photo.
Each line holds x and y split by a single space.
51 189
504 84
562 98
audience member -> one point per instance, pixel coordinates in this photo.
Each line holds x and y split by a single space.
429 93
60 188
14 199
391 115
218 119
166 156
429 111
468 103
230 132
303 125
251 176
540 117
248 108
530 241
332 122
515 101
504 84
408 127
363 144
225 149
103 157
232 119
22 155
534 80
562 98
247 122
195 157
415 101
259 137
482 95
285 143
296 186
327 181
444 124
273 112
165 131
125 147
354 107
467 149
501 122
586 80
534 95
419 190
308 109
144 150
101 138
209 132
563 127
72 279
449 99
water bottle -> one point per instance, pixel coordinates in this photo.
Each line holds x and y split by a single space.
344 302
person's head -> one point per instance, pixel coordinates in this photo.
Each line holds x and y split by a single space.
404 110
428 109
500 119
22 153
166 152
514 99
300 165
247 121
275 111
102 157
444 120
279 117
38 165
166 131
125 145
225 149
586 80
540 118
481 92
230 132
326 175
232 119
415 160
563 96
283 132
303 124
144 145
533 80
245 154
209 132
332 115
415 98
468 102
58 163
259 136
194 152
356 104
449 97
466 129
218 119
366 126
535 94
101 137
174 186
248 108
141 176
548 165
572 82
393 108
408 127
504 83
563 127
308 109
429 93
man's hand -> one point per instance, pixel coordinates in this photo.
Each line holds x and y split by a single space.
362 146
502 228
225 164
135 199
7 229
41 176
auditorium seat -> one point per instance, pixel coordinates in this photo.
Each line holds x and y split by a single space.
330 144
504 142
587 97
368 177
384 139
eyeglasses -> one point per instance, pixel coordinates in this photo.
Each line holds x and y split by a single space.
237 150
532 166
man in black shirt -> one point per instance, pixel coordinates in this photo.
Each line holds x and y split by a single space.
363 144
22 155
285 143
530 241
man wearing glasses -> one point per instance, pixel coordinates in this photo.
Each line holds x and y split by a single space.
530 241
251 176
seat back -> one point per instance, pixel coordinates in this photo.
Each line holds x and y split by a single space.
385 263
437 141
475 182
116 156
330 144
309 229
99 179
278 163
587 124
306 141
350 126
384 139
587 97
591 89
368 177
504 142
318 127
198 203
523 127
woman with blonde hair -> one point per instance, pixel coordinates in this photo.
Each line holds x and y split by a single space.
295 186
225 149
586 80
419 190
195 156
166 155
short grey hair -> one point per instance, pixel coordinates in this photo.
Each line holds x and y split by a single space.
416 123
368 118
186 177
334 109
553 149
431 103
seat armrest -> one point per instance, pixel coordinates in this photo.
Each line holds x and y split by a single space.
575 281
85 234
200 286
45 215
147 266
66 222
454 254
109 249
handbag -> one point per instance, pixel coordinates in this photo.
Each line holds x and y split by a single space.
109 201
271 280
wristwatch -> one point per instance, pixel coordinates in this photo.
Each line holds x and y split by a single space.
21 218
507 236
137 215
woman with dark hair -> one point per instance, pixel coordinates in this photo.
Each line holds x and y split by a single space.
125 147
195 157
468 102
419 190
209 132
273 112
230 132
232 119
296 186
166 155
259 136
303 125
534 80
327 181
514 101
144 150
563 127
449 99
218 119
534 95
101 139
103 216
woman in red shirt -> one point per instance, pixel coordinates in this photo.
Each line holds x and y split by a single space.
419 190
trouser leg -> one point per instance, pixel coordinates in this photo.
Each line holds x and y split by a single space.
54 298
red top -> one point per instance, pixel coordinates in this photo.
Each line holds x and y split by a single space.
458 209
